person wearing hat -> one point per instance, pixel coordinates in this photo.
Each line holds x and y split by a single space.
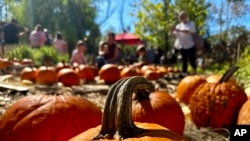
142 60
78 54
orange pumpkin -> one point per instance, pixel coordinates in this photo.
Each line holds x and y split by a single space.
161 70
117 117
61 65
151 74
187 86
217 104
109 73
27 62
127 72
244 116
158 107
85 72
5 63
68 77
48 118
46 75
28 73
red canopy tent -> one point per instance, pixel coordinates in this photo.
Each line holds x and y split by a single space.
127 38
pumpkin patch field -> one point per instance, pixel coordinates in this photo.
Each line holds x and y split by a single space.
75 102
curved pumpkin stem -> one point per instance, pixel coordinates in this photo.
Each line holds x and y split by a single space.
117 114
227 75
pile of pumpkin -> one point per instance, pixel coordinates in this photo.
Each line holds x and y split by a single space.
216 101
70 75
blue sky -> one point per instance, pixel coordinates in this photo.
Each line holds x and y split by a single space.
113 23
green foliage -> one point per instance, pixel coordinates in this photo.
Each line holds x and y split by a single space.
243 74
37 55
156 18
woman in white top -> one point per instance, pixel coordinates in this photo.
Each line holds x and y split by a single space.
184 41
60 44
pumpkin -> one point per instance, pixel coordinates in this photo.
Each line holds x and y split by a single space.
28 73
85 72
61 65
48 118
46 75
117 117
95 70
187 86
158 107
161 70
27 62
4 63
215 78
109 73
127 72
217 105
151 74
244 116
68 77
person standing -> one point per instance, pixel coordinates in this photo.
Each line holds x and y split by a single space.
11 33
108 51
37 37
184 41
60 44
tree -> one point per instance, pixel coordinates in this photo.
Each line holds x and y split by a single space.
156 17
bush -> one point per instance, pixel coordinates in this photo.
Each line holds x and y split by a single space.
37 55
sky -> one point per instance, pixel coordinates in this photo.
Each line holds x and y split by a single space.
113 23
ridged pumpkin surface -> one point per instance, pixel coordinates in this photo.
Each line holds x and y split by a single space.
109 73
48 118
216 104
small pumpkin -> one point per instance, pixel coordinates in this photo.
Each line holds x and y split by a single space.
217 105
28 73
158 107
46 75
109 73
61 65
48 118
85 72
117 117
128 72
27 62
187 86
4 63
68 77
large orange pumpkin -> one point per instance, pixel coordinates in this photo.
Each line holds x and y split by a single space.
217 104
28 73
187 86
109 73
68 77
117 117
48 118
158 107
46 75
85 72
4 62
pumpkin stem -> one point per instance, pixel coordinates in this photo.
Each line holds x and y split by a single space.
227 75
117 116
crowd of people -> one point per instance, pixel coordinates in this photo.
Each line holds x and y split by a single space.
108 51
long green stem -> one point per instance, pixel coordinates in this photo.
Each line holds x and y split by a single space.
118 108
227 75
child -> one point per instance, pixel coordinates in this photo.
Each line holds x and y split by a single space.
142 60
78 54
60 44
